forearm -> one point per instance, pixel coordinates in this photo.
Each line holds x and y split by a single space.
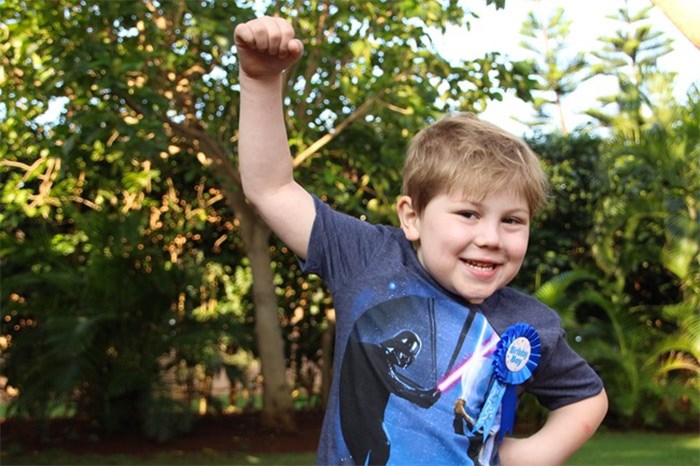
564 432
263 149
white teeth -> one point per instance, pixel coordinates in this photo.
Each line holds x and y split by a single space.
481 266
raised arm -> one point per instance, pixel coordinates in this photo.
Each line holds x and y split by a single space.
266 47
564 432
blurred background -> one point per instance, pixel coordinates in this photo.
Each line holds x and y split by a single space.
140 292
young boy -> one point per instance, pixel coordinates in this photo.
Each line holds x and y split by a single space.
431 345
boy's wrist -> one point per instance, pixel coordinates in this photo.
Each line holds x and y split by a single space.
272 82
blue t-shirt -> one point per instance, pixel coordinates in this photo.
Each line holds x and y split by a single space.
407 352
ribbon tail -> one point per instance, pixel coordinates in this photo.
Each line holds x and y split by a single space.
508 406
487 417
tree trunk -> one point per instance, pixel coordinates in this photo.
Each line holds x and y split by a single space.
685 15
277 410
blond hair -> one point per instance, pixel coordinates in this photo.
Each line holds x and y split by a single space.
461 153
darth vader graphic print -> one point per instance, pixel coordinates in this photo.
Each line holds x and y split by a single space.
409 392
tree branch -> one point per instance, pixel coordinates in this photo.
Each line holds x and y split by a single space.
359 112
313 148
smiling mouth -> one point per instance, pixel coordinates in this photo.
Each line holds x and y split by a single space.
480 265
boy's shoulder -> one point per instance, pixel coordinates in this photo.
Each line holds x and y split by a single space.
329 218
344 248
509 306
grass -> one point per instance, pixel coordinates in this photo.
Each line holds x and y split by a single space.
639 449
605 449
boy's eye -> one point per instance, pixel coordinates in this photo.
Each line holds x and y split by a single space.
467 214
513 221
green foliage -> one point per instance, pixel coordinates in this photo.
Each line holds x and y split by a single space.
92 325
166 418
109 225
616 253
648 243
374 66
558 237
630 55
633 312
557 73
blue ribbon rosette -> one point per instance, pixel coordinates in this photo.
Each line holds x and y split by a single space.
514 361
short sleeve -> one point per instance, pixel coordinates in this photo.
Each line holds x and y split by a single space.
341 245
564 378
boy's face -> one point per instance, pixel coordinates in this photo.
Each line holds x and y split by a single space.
472 248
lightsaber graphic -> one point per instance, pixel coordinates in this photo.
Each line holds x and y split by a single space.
450 379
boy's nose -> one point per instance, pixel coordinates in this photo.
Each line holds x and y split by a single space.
488 235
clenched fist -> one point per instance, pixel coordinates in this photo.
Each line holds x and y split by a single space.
266 47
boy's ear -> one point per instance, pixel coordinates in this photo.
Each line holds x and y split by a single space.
409 218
